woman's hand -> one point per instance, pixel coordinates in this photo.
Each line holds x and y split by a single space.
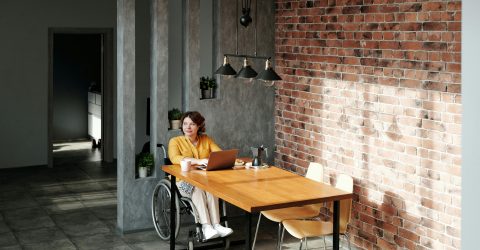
202 162
198 161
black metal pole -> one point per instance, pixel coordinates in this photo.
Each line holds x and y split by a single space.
248 56
248 231
336 225
173 211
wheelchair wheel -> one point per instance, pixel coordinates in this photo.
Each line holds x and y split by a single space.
161 210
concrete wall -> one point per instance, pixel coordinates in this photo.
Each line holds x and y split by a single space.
471 123
242 114
175 50
24 70
142 70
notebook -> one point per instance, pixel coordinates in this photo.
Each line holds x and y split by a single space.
220 160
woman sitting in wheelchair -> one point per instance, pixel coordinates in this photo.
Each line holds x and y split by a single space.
196 147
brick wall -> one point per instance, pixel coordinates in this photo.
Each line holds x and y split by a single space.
372 88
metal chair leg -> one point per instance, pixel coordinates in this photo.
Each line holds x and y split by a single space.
348 241
279 234
281 239
301 241
256 230
324 243
306 244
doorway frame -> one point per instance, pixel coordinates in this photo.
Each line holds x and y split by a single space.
107 88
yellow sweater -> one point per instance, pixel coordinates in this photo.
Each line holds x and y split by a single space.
180 147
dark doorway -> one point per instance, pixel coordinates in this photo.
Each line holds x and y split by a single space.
80 90
77 97
77 69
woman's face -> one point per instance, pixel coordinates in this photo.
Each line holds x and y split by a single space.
189 127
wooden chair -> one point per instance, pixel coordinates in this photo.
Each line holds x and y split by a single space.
303 229
314 172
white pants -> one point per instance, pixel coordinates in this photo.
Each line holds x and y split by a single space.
207 206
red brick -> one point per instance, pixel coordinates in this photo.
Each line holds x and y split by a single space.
352 68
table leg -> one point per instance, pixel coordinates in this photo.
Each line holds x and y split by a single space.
173 211
248 231
336 225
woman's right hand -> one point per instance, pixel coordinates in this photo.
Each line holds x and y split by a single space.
198 161
202 162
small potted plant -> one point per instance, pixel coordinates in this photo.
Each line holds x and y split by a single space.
206 94
174 116
145 163
212 85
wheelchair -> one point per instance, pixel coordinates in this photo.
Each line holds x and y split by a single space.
184 206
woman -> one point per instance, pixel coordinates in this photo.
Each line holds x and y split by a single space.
196 147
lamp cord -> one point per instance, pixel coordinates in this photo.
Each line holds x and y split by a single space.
236 31
256 20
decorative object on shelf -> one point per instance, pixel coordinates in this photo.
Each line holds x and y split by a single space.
145 163
174 116
207 87
268 76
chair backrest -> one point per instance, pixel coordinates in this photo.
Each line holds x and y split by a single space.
345 182
315 172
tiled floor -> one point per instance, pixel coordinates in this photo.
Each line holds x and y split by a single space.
73 206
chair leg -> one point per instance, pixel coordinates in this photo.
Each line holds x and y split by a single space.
279 234
324 243
348 241
306 244
256 230
301 241
281 239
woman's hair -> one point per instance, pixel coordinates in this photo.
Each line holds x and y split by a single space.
197 118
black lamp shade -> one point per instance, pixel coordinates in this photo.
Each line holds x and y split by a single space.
226 69
247 71
269 74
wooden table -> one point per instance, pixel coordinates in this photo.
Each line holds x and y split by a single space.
255 190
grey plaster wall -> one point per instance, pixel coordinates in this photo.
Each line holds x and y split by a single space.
142 70
242 115
175 51
471 123
24 70
133 209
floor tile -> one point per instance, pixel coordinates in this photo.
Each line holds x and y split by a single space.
48 190
3 227
14 247
27 218
80 224
22 201
64 244
145 236
40 235
56 199
64 207
105 212
150 245
7 239
85 187
100 241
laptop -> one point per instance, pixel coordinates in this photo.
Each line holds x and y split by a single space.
220 160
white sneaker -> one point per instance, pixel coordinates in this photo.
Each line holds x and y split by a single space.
209 232
223 231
